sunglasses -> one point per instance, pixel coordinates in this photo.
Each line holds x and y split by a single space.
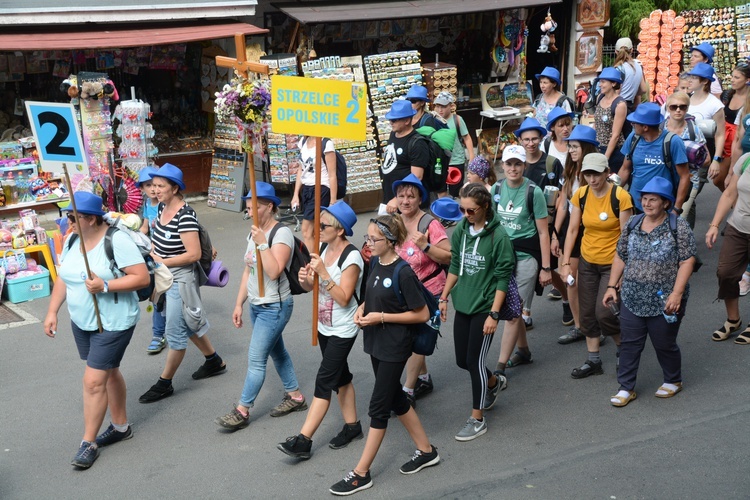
324 226
71 217
675 107
414 100
469 211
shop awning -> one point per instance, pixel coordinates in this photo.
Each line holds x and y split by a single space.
311 13
115 36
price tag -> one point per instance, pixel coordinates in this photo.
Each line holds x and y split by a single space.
57 136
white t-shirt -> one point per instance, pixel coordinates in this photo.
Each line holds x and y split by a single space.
707 109
560 155
334 320
274 290
307 152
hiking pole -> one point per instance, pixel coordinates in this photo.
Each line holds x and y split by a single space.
83 247
316 232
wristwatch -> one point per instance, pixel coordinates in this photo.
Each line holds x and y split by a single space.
718 158
262 247
495 315
548 269
106 286
678 211
325 283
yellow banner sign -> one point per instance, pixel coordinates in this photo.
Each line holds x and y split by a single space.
318 107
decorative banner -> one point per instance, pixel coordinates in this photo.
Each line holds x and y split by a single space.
57 136
318 108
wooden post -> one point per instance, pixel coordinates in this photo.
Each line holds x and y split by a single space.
242 67
316 232
83 247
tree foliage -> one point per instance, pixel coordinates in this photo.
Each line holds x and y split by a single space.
626 15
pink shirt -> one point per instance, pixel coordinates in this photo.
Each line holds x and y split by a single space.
422 264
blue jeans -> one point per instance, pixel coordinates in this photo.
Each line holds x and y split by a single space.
268 321
159 322
176 328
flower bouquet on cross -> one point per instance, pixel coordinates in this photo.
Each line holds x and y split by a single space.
248 104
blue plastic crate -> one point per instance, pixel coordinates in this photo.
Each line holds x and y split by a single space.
28 288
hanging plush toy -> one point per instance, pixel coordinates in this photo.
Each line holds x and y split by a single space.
547 43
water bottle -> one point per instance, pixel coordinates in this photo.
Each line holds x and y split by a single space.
671 318
439 167
614 308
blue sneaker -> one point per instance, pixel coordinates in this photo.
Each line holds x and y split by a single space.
157 345
86 456
112 436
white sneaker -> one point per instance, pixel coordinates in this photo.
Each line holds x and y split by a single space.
744 286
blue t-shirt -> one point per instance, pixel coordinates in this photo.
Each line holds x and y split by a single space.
150 213
648 162
115 316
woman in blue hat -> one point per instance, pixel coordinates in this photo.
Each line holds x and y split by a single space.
654 260
708 111
272 242
609 118
559 125
581 142
704 53
551 96
428 251
417 96
339 268
103 383
176 244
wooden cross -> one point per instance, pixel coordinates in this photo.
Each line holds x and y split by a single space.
242 66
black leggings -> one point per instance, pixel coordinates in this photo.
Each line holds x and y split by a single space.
471 352
334 369
387 394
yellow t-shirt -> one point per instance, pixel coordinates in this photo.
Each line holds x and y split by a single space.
600 237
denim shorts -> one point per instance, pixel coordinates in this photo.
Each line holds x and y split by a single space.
102 351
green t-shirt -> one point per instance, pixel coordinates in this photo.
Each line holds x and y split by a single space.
511 207
459 154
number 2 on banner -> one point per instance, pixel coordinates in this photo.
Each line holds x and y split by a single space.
353 104
56 134
54 146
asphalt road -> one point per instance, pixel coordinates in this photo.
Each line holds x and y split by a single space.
549 436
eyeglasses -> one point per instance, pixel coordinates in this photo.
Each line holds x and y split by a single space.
372 241
530 140
469 211
324 226
675 107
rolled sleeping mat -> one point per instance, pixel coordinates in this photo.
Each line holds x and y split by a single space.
218 275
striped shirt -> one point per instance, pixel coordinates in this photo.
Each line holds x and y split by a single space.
166 237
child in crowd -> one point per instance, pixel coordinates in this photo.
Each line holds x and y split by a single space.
444 108
149 214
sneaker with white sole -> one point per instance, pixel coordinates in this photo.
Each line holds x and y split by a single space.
744 286
157 345
112 436
472 429
86 456
420 460
491 396
351 484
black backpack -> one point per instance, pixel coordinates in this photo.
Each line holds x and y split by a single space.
359 297
614 201
300 258
340 170
562 100
143 293
436 173
666 152
207 249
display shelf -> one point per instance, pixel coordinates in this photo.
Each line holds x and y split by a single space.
228 167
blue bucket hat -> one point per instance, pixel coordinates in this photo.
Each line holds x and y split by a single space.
344 214
412 179
647 113
659 186
530 124
263 190
418 92
86 203
400 109
145 175
611 74
706 49
702 70
583 133
551 73
554 115
170 172
446 209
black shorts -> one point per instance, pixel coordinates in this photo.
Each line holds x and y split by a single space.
308 200
576 252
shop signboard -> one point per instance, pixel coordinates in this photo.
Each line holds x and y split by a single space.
318 108
57 136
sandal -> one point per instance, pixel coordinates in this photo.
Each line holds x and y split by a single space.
666 392
744 337
620 401
519 359
727 329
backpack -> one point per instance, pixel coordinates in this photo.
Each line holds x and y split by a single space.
614 201
666 152
342 258
425 334
549 161
436 173
207 249
626 126
300 258
673 226
143 293
562 100
340 170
